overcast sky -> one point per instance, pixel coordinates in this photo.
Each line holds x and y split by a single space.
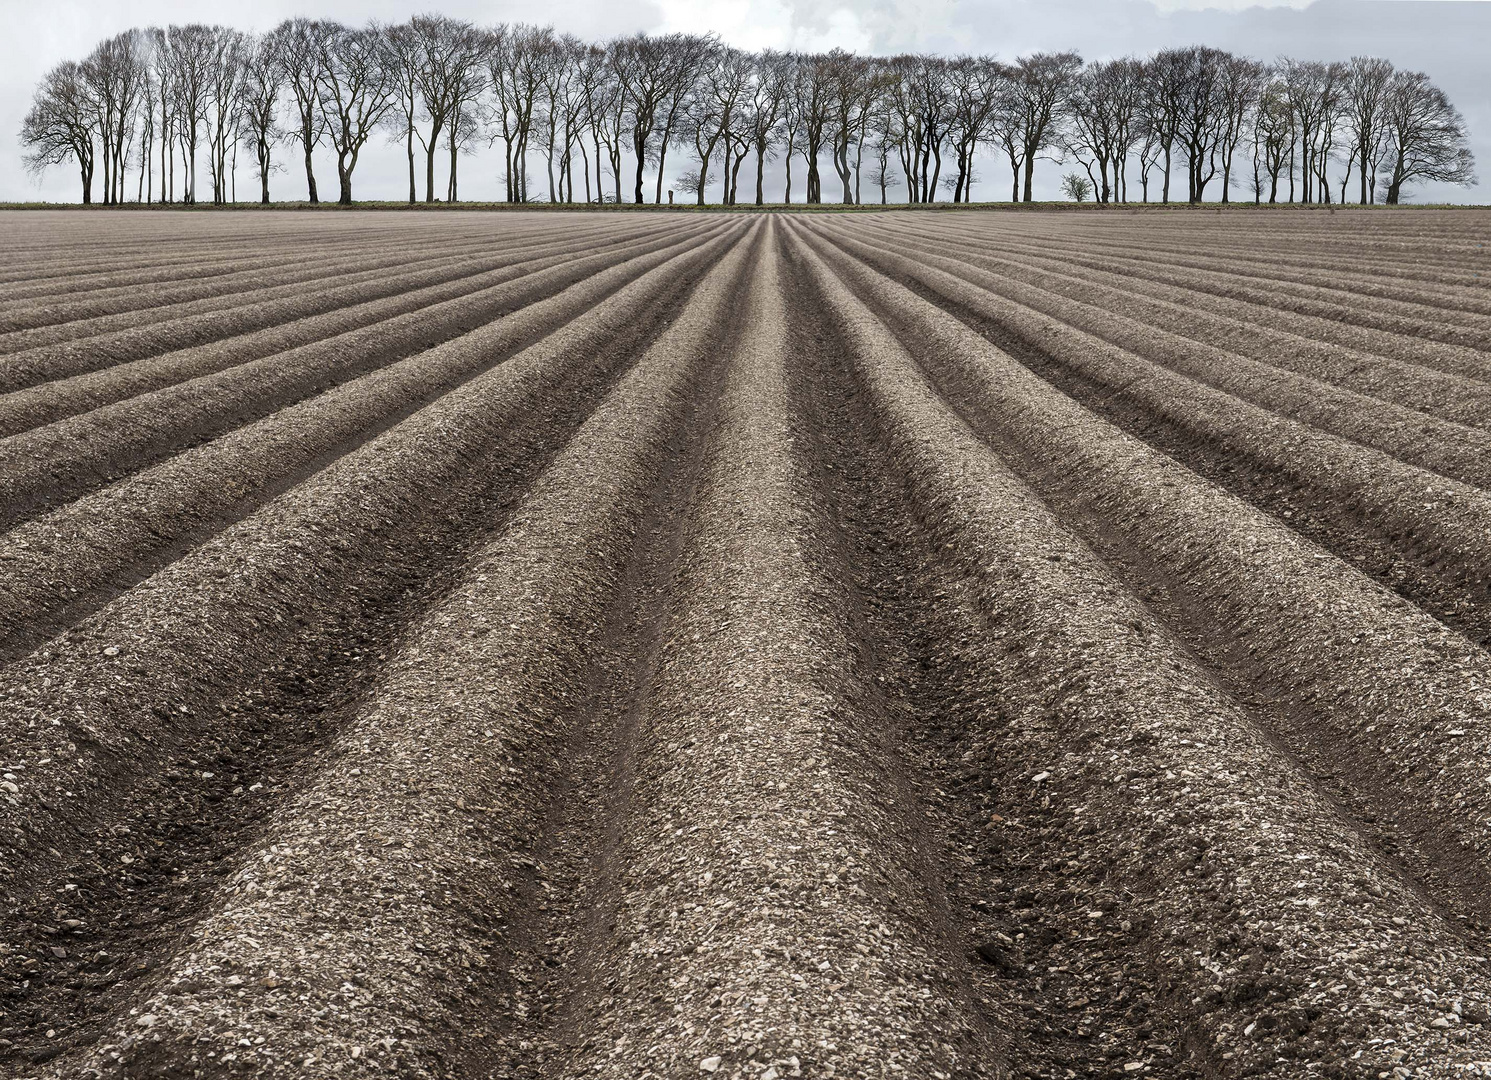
1446 38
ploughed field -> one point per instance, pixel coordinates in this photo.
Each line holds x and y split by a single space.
902 645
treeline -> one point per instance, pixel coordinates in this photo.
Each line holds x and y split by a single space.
150 103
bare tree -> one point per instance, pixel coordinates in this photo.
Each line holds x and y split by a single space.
1273 137
449 78
1199 120
1160 109
593 80
149 102
1306 82
224 98
815 101
1042 83
975 84
429 80
728 79
355 87
1368 80
685 57
465 82
193 57
884 139
764 113
1099 118
852 90
1424 136
59 125
406 60
300 46
791 75
932 104
657 75
1006 126
516 58
263 81
711 110
1239 88
642 67
115 73
163 75
606 111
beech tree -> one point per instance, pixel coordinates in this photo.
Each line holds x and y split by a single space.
353 92
1368 80
975 84
115 73
1042 84
1100 123
516 60
300 47
449 79
1424 136
59 126
440 83
769 90
263 81
1239 89
225 75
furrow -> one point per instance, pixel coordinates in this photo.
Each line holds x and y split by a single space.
1406 322
57 568
1366 671
423 825
50 465
107 717
1449 260
1353 277
341 310
136 338
764 902
1407 515
1249 331
1451 359
47 323
1273 933
1450 449
338 255
134 287
185 264
45 363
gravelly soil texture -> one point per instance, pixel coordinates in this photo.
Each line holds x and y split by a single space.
899 646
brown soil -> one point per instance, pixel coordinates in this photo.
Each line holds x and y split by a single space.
538 646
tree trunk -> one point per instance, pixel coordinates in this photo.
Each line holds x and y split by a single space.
452 193
600 179
735 178
310 175
662 158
